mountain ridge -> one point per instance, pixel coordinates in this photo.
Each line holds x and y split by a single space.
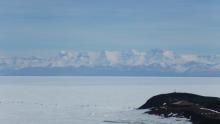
156 62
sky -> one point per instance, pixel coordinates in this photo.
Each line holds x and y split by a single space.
45 27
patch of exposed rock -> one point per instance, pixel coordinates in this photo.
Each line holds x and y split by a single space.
199 109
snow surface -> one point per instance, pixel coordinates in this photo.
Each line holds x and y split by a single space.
91 100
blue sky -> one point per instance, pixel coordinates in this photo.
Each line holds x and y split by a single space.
44 27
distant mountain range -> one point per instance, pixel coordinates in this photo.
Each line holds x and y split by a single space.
155 62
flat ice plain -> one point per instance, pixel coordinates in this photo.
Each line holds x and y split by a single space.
91 100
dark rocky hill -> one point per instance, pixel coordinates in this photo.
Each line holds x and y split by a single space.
199 109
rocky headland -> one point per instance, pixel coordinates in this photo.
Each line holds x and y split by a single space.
199 109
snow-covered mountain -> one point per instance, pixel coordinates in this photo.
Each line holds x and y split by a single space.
155 62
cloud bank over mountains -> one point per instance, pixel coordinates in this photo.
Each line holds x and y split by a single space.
155 62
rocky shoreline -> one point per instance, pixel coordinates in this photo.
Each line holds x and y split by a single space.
199 109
